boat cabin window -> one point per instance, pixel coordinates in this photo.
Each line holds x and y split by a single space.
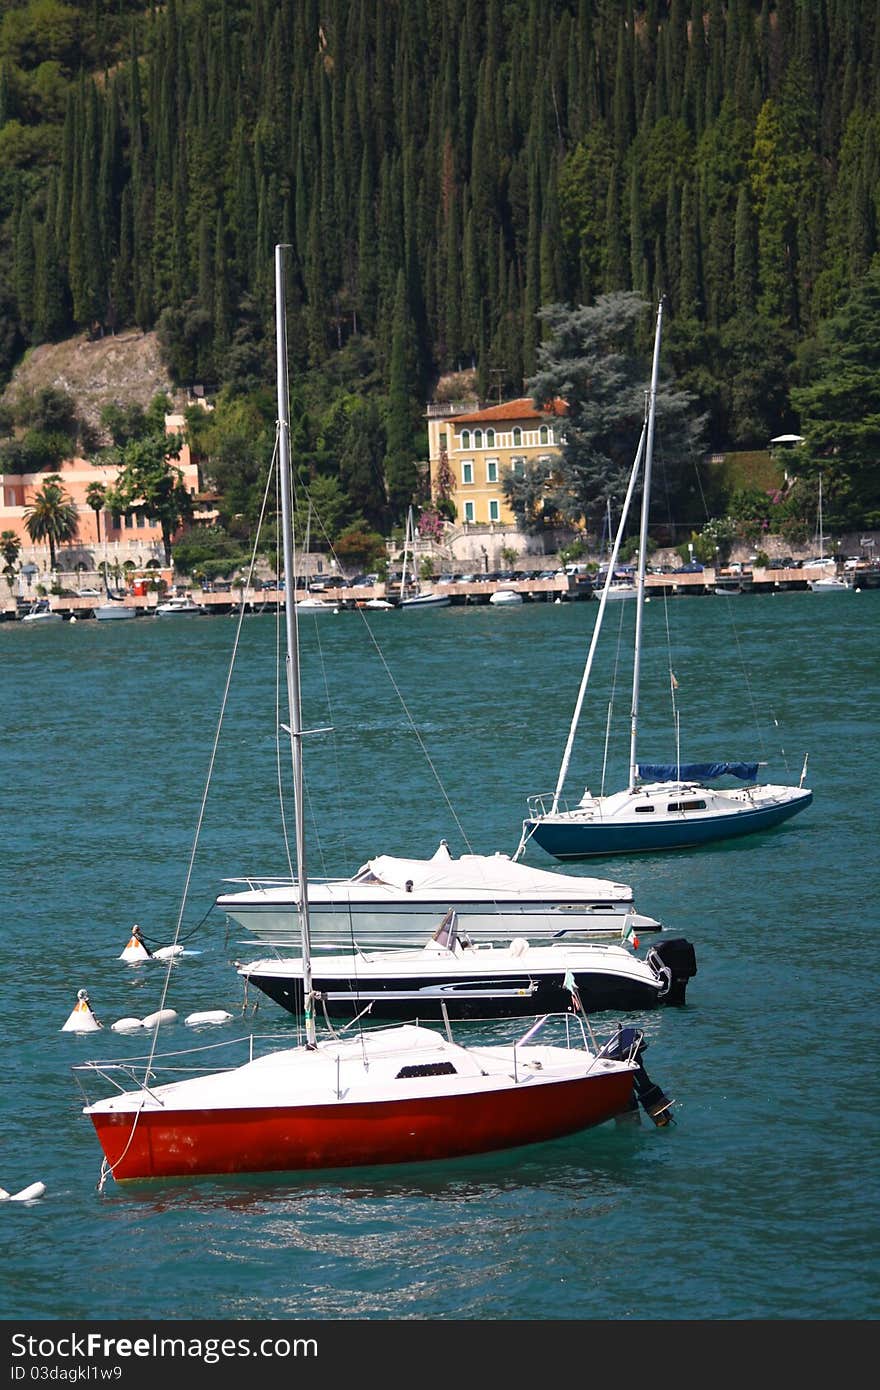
427 1069
643 810
686 806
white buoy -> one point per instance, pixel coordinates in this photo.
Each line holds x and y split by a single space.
27 1194
167 952
135 951
160 1016
126 1025
82 1019
210 1016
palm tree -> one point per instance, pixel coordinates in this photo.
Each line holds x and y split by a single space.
96 495
52 516
10 549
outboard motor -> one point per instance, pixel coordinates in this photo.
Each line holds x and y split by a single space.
628 1044
674 961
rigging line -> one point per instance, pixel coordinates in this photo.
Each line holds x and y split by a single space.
443 792
734 629
288 589
597 626
329 704
213 758
613 692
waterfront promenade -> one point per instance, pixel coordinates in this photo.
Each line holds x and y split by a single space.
561 587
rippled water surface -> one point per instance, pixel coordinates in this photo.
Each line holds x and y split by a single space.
756 1204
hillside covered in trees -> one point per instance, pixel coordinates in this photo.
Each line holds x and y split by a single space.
444 170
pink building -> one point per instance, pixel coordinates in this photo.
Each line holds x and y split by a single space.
135 537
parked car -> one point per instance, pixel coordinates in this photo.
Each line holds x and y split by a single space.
693 567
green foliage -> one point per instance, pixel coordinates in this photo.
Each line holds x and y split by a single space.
147 478
52 516
437 188
840 409
593 359
210 552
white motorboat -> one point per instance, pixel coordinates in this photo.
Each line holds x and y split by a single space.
506 598
113 612
313 604
393 1095
830 584
180 607
621 588
393 902
41 613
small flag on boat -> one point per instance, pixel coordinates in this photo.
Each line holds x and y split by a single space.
568 983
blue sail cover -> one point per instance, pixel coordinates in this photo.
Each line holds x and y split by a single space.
696 772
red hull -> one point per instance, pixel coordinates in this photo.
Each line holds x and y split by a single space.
193 1143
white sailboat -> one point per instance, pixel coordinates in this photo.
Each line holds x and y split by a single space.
665 805
830 582
313 603
412 594
391 1095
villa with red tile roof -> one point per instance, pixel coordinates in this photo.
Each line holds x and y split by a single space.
471 451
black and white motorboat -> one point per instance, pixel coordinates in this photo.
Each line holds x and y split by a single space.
455 976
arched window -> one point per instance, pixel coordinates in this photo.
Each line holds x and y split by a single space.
517 438
478 439
544 435
490 439
465 439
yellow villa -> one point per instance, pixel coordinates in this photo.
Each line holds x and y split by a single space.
471 451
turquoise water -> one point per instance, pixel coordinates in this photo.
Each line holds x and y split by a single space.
756 1204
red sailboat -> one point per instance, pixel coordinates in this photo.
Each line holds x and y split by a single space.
389 1095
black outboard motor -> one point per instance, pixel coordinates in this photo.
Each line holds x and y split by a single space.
629 1044
675 961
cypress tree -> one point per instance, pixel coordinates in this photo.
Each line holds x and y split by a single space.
638 263
689 266
401 477
745 280
368 280
615 271
24 270
122 298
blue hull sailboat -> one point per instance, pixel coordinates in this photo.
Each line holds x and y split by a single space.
665 806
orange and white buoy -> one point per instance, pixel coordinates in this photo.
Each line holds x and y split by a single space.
135 950
82 1019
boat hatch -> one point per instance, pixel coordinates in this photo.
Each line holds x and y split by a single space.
426 1069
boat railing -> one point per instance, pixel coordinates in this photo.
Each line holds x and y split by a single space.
143 1071
284 881
541 804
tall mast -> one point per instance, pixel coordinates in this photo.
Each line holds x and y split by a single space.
643 551
292 633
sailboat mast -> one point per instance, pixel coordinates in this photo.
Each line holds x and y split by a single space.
643 551
292 634
406 544
597 627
